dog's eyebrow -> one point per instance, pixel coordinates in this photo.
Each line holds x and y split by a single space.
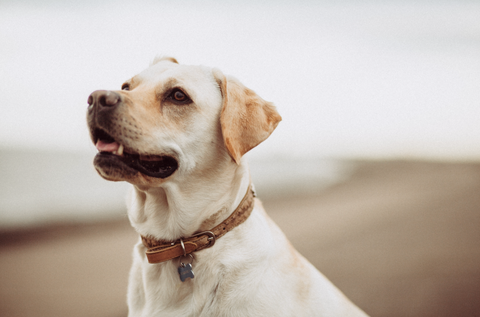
132 81
165 87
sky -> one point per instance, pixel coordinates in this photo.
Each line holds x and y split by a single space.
374 79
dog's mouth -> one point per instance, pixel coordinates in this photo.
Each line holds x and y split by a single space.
159 166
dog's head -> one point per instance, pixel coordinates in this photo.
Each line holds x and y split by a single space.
174 119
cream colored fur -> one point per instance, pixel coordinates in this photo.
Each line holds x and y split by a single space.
251 271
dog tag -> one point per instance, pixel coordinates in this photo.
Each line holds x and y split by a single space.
185 271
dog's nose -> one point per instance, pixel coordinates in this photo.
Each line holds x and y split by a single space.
103 98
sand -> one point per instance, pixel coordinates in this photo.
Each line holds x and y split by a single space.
400 238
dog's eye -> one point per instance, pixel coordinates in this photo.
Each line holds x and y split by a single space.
125 86
179 97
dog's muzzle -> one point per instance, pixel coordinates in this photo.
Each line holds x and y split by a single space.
107 131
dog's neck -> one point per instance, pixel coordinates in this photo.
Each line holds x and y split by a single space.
179 208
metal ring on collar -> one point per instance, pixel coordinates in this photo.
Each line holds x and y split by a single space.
183 247
182 263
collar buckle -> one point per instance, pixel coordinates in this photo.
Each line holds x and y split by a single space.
211 237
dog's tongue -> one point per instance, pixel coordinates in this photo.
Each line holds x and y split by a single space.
107 147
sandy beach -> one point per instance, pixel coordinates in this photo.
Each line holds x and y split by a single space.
399 238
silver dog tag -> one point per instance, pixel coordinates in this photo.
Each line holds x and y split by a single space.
185 271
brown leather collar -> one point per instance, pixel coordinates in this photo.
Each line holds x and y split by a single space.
161 251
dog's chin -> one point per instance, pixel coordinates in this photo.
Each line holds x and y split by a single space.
131 169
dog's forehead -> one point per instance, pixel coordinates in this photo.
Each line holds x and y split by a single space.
164 71
197 81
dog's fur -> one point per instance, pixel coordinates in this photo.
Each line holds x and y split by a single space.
253 270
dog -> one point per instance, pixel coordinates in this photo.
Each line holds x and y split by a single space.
179 134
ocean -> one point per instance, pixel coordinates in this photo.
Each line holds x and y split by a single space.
41 188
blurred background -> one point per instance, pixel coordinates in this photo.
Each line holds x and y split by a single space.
378 148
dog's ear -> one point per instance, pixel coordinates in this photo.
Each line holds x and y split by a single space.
158 59
246 119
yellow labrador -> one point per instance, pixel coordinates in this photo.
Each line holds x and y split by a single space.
178 133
